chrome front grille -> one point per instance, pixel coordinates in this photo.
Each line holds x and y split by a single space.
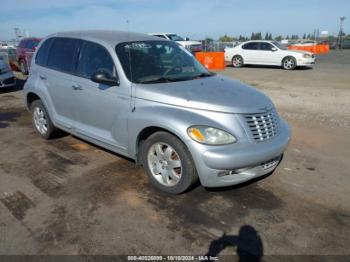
262 126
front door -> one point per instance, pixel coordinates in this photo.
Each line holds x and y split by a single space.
101 111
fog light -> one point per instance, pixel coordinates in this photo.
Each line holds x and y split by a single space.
232 172
227 173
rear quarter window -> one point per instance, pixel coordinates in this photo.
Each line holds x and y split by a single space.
63 54
43 52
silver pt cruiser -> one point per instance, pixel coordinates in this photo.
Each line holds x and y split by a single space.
149 99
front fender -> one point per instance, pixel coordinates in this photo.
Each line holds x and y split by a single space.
175 120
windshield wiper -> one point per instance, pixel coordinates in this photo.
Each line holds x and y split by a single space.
161 79
204 75
164 79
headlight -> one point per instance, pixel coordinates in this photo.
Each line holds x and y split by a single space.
210 135
307 56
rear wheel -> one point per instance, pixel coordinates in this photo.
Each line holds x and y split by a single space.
41 120
168 163
289 63
23 67
237 61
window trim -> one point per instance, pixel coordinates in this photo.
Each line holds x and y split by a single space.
82 47
257 45
265 43
49 48
74 58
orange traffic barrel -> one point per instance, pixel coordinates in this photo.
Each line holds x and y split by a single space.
212 60
316 49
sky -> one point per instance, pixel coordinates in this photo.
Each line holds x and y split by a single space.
196 19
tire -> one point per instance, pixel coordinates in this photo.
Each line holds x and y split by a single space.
41 120
237 61
23 67
289 63
171 170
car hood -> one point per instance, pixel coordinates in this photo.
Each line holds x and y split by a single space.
215 93
299 52
186 43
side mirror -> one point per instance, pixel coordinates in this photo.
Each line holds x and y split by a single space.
103 77
187 39
274 49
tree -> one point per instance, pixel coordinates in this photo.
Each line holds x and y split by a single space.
226 38
242 38
278 38
209 40
259 36
270 36
253 37
304 36
267 36
287 37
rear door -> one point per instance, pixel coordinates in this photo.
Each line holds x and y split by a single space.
101 110
251 53
61 64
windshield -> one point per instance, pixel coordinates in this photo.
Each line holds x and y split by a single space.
174 37
280 46
158 61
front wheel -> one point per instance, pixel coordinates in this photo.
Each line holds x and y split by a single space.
289 63
168 163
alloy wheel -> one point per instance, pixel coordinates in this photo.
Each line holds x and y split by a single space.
165 164
40 120
289 63
237 61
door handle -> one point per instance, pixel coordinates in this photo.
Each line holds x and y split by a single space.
77 87
42 77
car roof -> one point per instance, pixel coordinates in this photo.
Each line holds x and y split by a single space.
162 33
32 38
110 37
269 41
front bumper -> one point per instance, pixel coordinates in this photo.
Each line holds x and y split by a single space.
306 61
237 163
7 80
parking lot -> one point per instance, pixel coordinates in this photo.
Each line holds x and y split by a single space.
66 196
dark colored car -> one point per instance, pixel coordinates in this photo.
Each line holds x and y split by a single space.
25 51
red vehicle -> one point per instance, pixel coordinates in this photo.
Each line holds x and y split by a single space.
25 51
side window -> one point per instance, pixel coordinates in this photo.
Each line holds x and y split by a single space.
265 46
22 43
251 46
63 53
43 52
31 44
93 58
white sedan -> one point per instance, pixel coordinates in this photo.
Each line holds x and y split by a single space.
267 53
